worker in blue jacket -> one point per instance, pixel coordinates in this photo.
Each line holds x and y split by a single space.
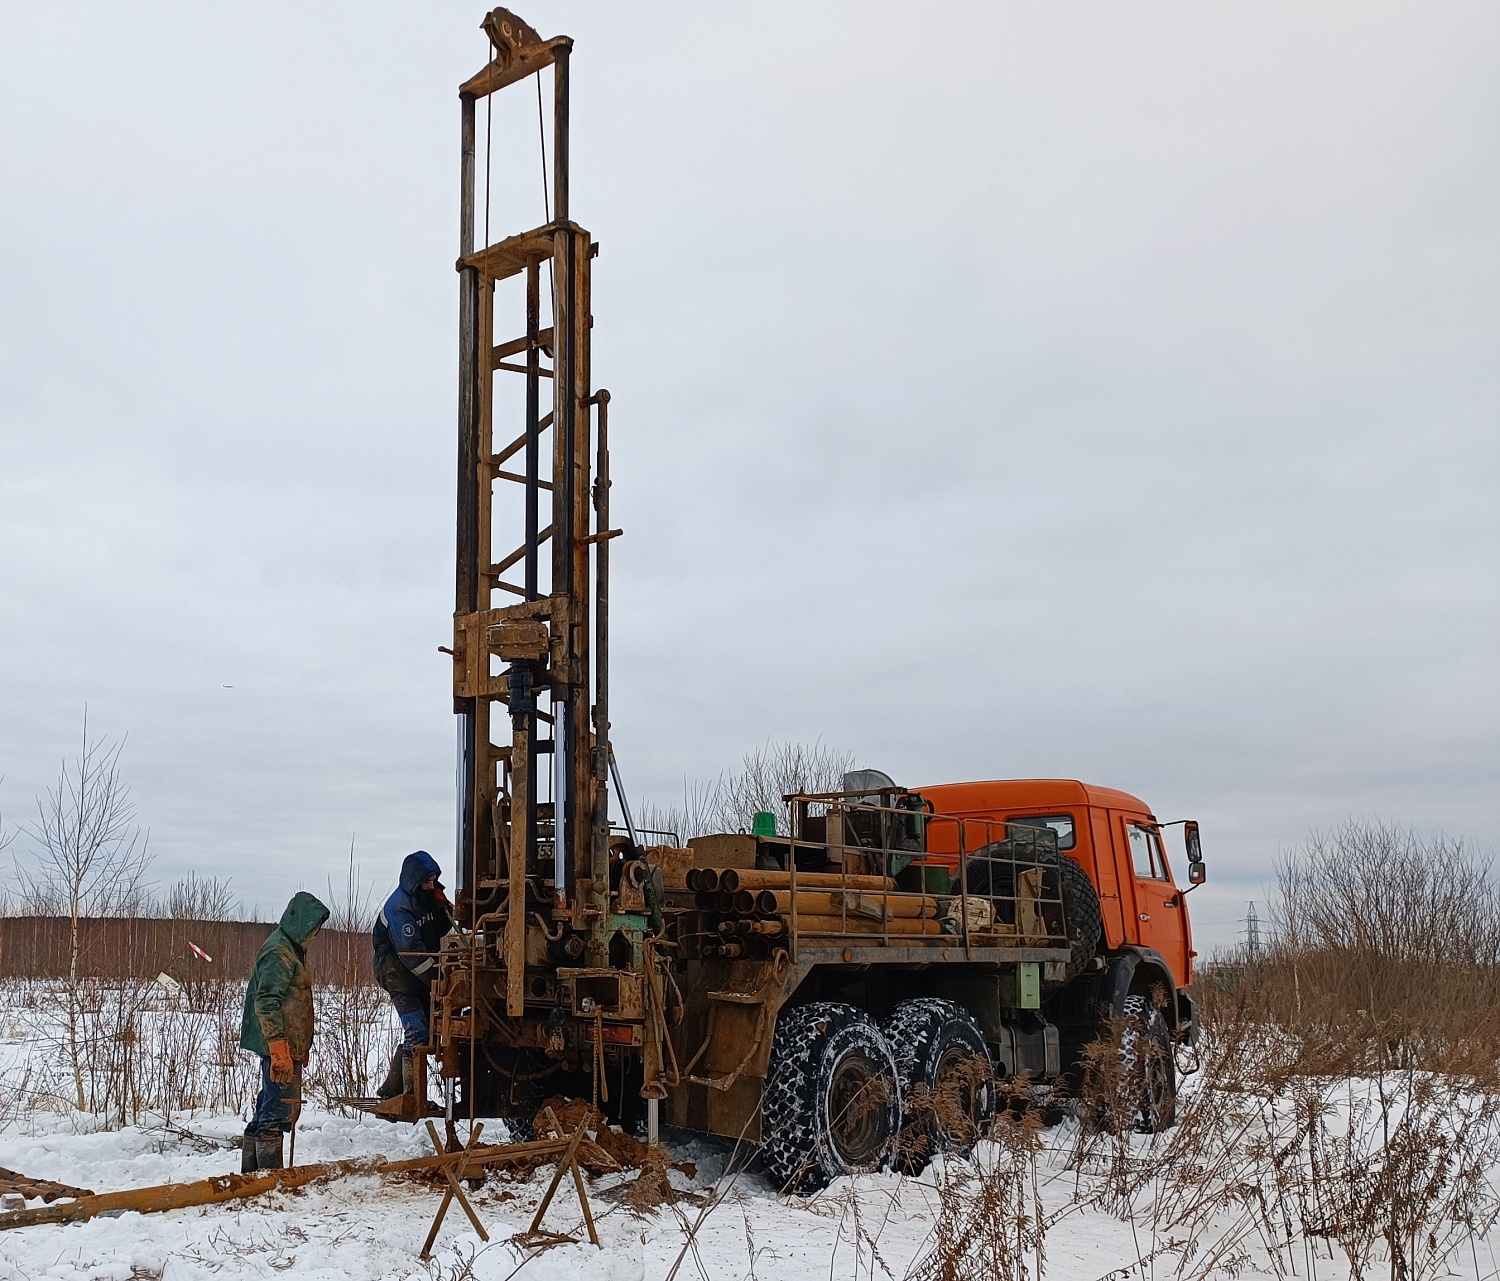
406 936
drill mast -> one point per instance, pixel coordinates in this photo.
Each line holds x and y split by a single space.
530 681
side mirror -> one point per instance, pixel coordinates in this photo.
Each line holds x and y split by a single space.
1197 873
1194 844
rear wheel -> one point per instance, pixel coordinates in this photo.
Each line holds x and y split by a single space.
831 1103
947 1079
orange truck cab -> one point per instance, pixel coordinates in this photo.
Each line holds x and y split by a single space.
1115 838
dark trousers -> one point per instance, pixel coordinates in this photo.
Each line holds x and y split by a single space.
276 1102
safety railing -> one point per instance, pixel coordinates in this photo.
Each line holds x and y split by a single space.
882 870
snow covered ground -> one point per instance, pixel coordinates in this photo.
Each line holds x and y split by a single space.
370 1227
1294 1182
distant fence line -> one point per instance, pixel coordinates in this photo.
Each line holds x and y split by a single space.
37 947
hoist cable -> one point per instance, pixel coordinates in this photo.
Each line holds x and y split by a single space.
541 131
489 132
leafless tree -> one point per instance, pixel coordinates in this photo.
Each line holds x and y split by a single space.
765 776
774 771
698 814
202 898
89 859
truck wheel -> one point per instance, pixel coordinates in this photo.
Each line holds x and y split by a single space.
947 1080
1063 879
1149 1067
831 1103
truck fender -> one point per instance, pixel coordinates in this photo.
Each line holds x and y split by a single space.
1137 969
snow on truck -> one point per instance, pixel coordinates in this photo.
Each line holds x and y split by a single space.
804 990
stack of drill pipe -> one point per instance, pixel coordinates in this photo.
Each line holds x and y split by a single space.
772 928
875 906
734 878
748 913
882 906
707 880
851 924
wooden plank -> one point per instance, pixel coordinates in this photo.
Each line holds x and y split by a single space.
568 1161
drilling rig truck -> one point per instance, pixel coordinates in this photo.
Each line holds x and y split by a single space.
800 989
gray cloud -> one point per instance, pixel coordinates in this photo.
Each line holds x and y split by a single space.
1107 393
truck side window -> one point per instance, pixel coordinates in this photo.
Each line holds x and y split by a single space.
1145 854
1062 824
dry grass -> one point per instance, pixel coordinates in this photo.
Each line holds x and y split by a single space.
1347 1100
990 1220
1385 954
1343 1112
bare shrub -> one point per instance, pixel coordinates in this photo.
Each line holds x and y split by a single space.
199 908
765 776
353 1019
698 814
1385 953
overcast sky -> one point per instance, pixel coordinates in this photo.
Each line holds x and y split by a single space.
1104 391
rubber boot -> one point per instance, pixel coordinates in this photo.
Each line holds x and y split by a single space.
408 1076
268 1151
248 1163
394 1082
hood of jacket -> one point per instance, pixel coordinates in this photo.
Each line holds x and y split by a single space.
416 868
303 915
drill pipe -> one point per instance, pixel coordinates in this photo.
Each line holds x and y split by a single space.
733 878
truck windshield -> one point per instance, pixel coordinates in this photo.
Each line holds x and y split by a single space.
1062 824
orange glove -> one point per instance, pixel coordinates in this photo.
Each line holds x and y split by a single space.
281 1062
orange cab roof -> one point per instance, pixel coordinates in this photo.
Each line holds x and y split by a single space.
1026 793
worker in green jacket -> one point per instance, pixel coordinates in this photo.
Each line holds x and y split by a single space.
278 1026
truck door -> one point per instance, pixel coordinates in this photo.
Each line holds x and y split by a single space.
1114 902
1158 903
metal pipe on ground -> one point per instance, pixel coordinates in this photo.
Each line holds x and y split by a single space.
233 1187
